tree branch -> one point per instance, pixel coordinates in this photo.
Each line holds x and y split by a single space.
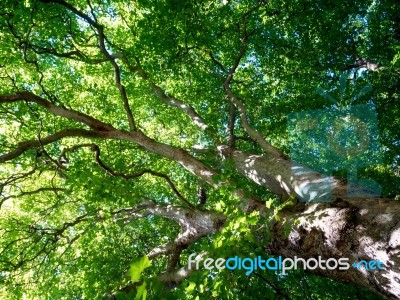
108 131
43 189
95 148
171 101
111 58
194 225
247 127
363 63
24 146
231 125
57 110
221 66
238 103
182 273
105 130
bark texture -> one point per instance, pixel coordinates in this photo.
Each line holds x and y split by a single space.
359 229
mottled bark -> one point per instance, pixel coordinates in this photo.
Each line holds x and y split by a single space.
359 229
282 177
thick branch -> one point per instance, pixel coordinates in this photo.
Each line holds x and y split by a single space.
191 164
283 177
107 131
104 130
57 110
194 225
178 155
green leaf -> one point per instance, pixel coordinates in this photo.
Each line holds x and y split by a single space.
141 292
137 267
269 203
190 288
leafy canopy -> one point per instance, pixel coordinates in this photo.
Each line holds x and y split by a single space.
65 230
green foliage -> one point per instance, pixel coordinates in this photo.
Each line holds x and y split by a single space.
137 267
72 241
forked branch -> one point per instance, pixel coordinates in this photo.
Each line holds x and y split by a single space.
236 101
110 57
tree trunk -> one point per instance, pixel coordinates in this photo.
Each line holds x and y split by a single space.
362 228
357 229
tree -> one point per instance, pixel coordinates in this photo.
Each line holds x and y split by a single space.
118 118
